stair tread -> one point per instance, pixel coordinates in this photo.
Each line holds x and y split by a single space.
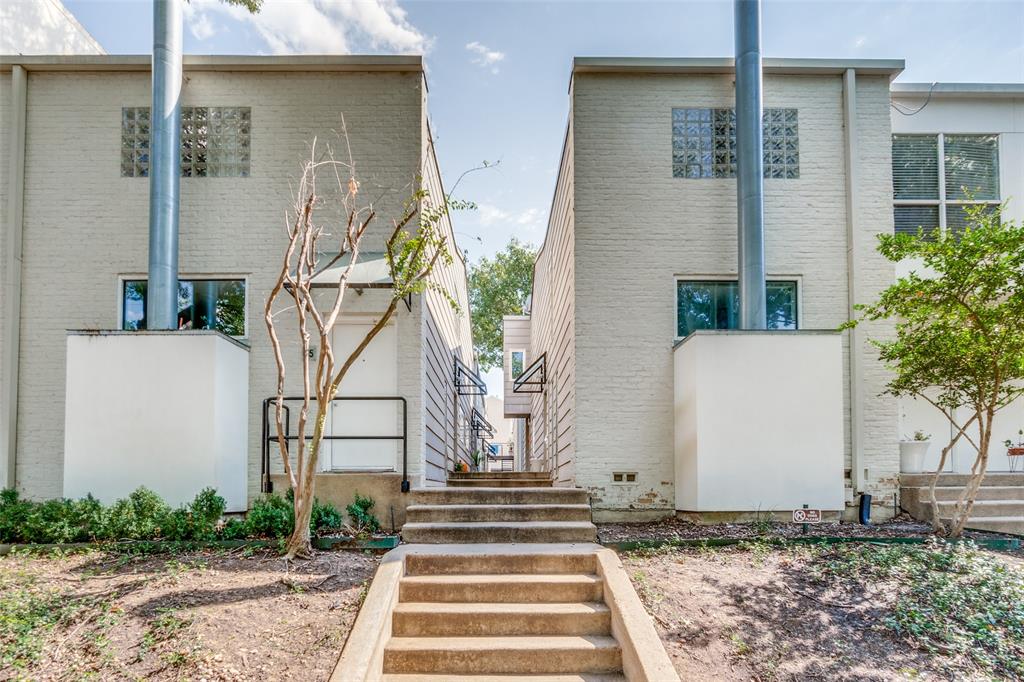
581 608
503 578
503 643
583 677
552 505
498 524
482 490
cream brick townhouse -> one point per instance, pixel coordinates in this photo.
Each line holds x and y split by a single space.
74 196
624 371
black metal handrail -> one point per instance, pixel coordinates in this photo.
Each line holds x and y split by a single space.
269 438
533 378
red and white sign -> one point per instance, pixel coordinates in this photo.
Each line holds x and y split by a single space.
806 516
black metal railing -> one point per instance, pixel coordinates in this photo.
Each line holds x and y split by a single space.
268 438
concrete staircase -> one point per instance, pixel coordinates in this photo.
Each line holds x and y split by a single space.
483 507
470 616
999 506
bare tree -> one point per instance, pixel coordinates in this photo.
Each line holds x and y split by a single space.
336 216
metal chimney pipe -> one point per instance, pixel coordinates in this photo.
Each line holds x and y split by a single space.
164 166
750 165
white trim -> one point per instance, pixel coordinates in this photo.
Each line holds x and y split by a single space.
221 277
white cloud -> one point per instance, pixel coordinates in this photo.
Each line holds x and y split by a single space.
485 56
531 219
325 26
200 23
490 214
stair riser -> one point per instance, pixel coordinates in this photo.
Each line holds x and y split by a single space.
480 513
953 494
480 564
1014 527
503 496
491 534
499 624
498 483
528 475
981 511
529 593
501 661
994 479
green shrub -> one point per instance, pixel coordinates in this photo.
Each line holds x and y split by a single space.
234 529
139 517
14 512
360 516
270 517
325 517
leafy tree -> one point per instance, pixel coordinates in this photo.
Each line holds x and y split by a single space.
497 288
959 342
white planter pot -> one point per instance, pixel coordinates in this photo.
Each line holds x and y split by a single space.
912 454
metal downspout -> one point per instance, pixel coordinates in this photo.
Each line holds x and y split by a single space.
853 247
164 166
15 225
750 165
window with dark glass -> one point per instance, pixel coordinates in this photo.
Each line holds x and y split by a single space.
935 176
214 141
714 304
202 304
704 143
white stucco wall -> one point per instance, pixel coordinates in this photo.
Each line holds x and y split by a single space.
977 109
167 411
758 421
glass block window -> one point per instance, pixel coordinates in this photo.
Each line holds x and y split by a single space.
135 142
215 141
704 143
935 176
715 305
202 304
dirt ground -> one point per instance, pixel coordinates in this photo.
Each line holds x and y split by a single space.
673 528
754 613
239 615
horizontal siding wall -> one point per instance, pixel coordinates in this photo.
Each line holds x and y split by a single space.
446 335
553 329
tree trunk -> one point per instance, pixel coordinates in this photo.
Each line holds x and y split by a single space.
299 544
965 504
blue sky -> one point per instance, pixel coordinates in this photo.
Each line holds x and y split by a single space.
499 71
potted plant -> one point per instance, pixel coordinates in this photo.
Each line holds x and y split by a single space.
477 457
461 468
912 452
1013 450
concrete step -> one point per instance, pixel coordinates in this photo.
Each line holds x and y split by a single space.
499 482
984 508
952 493
584 677
431 619
489 532
950 479
476 655
489 564
419 513
1013 525
524 588
532 495
531 475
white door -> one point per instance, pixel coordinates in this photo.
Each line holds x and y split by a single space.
375 373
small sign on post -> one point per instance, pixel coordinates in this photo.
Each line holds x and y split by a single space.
806 516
